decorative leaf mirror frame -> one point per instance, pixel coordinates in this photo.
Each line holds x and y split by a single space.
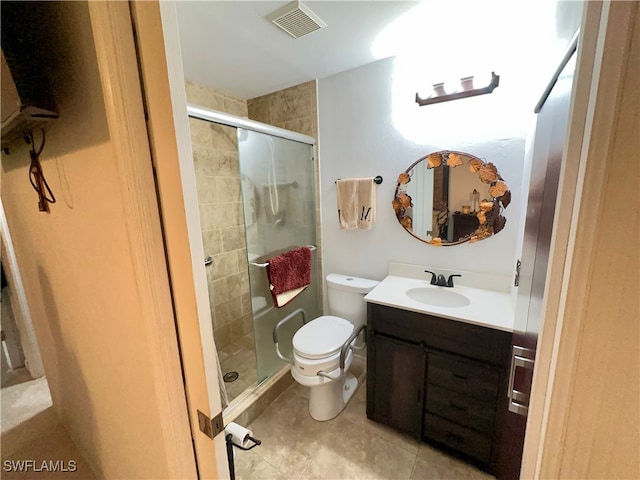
482 218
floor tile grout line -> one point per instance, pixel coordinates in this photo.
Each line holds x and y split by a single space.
381 437
413 467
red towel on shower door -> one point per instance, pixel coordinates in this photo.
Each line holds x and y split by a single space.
289 274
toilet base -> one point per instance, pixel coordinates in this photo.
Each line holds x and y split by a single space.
328 400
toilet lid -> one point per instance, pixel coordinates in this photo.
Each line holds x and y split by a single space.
322 337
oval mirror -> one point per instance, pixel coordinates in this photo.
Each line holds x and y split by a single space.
449 197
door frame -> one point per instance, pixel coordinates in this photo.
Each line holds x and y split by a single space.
160 64
551 449
18 301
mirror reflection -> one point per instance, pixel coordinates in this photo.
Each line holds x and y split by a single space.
450 197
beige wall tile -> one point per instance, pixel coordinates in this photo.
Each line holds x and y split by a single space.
246 304
212 242
247 322
225 138
227 189
203 96
207 211
242 260
220 289
259 110
235 107
222 336
207 189
225 264
233 238
300 125
228 311
211 289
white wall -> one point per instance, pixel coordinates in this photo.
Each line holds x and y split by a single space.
370 125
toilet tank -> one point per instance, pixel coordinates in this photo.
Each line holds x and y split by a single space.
346 297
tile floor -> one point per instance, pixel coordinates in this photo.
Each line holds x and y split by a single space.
347 447
239 357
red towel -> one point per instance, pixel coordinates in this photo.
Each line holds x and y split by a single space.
288 272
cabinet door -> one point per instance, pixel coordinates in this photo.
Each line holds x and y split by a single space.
398 384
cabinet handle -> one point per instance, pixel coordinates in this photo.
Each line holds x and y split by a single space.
419 396
457 407
461 377
519 360
518 408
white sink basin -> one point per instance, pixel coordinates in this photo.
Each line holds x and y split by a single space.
438 297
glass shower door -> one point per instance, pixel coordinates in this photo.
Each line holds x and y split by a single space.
278 195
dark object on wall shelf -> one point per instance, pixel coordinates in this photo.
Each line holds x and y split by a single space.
464 225
28 56
495 81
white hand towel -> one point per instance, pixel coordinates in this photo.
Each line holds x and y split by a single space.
285 297
366 203
347 194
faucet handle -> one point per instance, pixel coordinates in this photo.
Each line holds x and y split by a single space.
450 281
433 277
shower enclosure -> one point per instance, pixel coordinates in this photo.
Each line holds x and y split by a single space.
256 193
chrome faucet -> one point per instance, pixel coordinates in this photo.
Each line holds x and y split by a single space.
440 281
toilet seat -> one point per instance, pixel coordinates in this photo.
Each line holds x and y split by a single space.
317 345
322 337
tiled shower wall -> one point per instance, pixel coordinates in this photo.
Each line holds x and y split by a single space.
215 155
296 109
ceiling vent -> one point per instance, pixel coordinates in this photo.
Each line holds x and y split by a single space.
297 19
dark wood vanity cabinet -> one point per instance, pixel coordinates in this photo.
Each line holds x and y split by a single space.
401 367
439 380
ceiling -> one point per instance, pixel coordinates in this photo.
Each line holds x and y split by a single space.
259 58
232 47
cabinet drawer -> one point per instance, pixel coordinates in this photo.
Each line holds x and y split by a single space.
475 379
461 409
462 439
472 341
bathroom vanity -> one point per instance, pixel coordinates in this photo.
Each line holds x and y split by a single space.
442 377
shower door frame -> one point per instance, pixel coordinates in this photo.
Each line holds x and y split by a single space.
215 116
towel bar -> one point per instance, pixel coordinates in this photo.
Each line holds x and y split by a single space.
377 180
264 265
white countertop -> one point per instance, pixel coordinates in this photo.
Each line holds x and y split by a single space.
488 308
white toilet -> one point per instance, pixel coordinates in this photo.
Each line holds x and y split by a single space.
317 346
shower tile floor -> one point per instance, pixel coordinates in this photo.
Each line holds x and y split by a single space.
239 357
347 447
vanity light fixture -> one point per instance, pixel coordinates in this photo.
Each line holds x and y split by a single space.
466 90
